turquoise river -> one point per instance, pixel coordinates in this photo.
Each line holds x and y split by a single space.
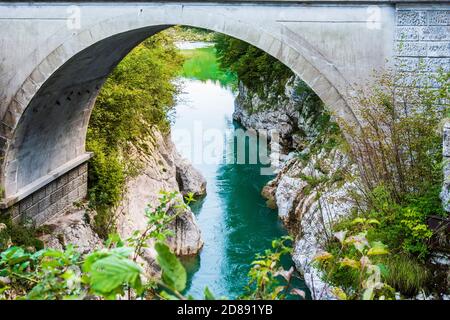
234 220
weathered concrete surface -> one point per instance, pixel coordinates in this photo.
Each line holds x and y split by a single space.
53 65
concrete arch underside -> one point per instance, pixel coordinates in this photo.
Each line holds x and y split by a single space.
44 123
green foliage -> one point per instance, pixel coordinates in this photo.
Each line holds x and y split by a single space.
192 34
402 227
406 274
21 234
137 97
110 272
113 272
105 273
173 273
170 206
106 181
398 150
351 265
399 145
403 230
256 69
47 274
266 271
416 232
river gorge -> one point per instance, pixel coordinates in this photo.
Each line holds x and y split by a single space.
233 217
218 173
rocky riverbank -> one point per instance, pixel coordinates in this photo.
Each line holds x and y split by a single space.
309 191
162 169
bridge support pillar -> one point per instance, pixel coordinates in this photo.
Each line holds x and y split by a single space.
56 197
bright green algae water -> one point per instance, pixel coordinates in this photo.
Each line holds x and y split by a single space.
234 220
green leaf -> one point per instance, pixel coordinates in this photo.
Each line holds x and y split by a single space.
174 274
208 294
377 248
168 296
358 220
373 221
383 269
347 262
110 274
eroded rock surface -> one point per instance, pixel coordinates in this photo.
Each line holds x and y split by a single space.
72 228
310 195
159 173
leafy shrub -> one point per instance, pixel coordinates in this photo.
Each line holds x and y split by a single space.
398 144
21 234
137 97
352 265
114 272
266 276
256 69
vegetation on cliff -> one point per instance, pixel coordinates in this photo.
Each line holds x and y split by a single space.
137 98
398 151
398 155
258 71
115 272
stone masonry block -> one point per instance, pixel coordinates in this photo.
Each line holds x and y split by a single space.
25 204
435 33
62 180
412 49
408 33
434 64
407 64
73 175
84 178
82 191
56 196
73 196
53 199
49 189
439 17
31 212
44 204
411 18
439 49
66 189
82 169
39 195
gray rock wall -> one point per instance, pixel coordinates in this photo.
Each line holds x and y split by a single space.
159 173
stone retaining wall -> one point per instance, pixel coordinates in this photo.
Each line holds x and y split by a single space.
422 39
54 199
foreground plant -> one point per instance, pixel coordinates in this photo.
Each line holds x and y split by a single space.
268 279
355 256
115 272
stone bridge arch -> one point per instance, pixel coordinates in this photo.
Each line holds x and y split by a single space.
50 74
47 119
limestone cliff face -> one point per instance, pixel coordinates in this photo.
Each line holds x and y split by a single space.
309 190
309 209
161 169
293 117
